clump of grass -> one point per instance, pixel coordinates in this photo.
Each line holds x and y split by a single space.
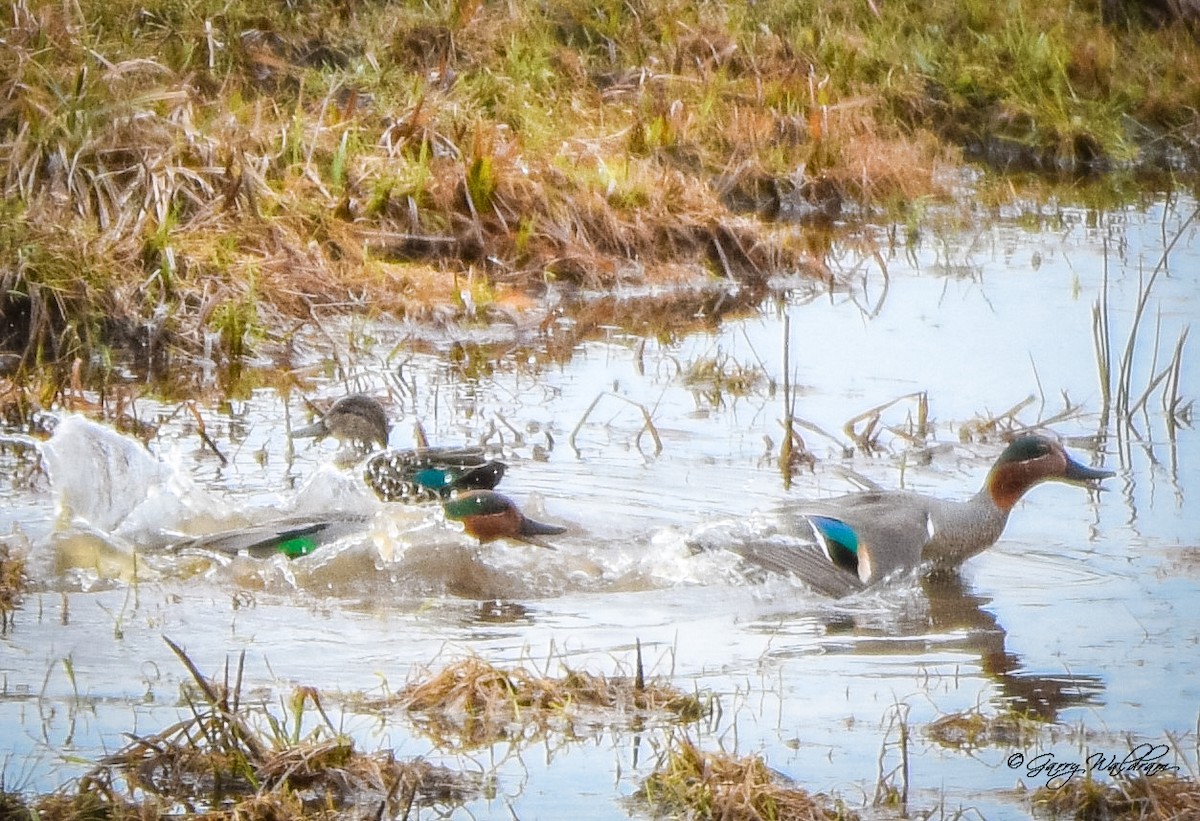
914 428
12 578
695 784
971 729
1161 797
472 703
235 760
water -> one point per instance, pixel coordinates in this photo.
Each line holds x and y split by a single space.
1081 615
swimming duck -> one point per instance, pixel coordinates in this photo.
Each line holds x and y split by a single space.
428 474
844 544
488 516
485 515
357 419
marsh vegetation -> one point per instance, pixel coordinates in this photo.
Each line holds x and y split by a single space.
188 180
755 227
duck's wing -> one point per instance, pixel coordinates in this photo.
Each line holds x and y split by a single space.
805 561
842 545
427 474
289 537
889 528
786 551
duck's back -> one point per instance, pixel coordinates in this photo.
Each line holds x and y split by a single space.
892 527
901 529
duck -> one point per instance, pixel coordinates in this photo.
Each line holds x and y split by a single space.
422 474
484 514
488 516
430 473
845 544
357 419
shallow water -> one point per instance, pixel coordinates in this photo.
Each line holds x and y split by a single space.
1081 615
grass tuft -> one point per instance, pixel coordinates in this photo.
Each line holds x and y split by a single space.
1161 797
13 580
472 703
232 760
971 730
694 784
161 160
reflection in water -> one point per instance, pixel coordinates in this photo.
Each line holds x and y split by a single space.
954 608
919 618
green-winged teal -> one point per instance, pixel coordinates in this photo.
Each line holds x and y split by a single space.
484 514
488 516
355 419
428 474
841 545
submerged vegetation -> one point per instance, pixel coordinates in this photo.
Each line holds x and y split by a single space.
183 175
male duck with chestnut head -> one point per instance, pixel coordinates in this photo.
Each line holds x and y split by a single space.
841 545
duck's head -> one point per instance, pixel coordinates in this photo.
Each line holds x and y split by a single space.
488 516
354 418
1032 459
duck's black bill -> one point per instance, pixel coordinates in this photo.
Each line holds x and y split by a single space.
529 527
1084 475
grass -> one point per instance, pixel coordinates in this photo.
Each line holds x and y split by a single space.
691 783
1148 798
13 580
472 703
972 729
231 759
713 378
185 167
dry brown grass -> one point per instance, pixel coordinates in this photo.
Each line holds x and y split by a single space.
13 580
1161 797
170 170
472 703
173 172
235 760
694 784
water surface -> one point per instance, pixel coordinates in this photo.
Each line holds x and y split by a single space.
1080 616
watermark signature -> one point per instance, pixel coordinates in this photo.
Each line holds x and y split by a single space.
1144 759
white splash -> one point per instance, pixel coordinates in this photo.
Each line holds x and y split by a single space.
105 480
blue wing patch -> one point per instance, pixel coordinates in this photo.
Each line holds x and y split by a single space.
838 540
